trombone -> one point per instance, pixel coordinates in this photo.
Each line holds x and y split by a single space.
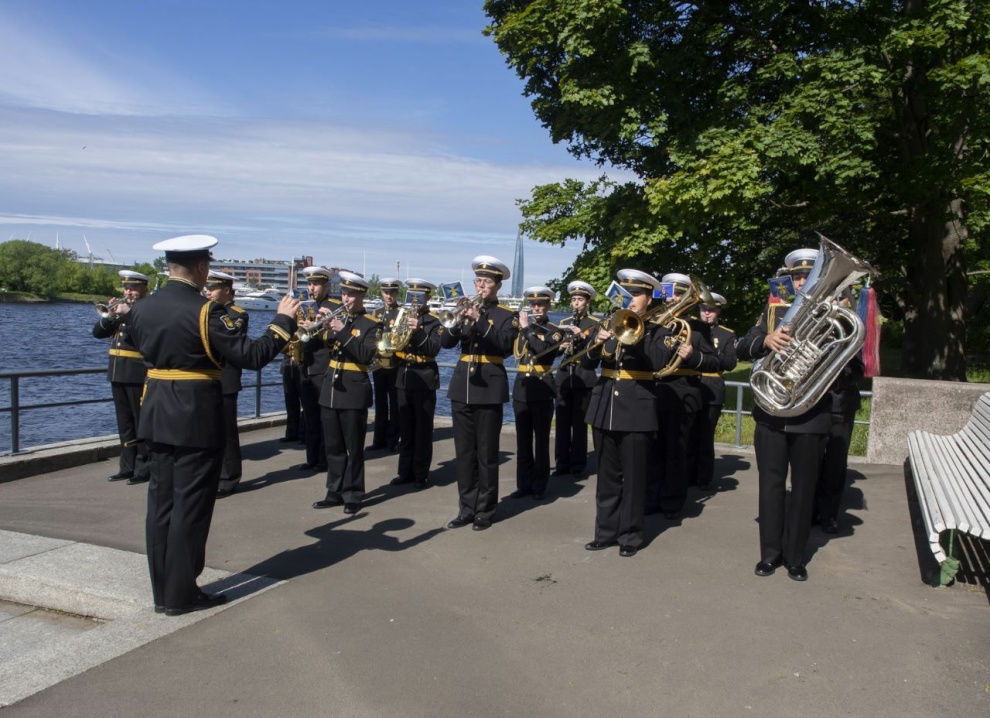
626 326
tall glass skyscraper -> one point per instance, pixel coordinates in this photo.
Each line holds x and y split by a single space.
518 268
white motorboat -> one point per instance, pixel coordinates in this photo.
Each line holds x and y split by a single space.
259 299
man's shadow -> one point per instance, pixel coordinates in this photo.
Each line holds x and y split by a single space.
335 543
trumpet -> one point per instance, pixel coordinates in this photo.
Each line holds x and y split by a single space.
320 324
104 309
451 319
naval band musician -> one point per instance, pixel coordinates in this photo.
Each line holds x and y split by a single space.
416 383
352 343
574 383
478 390
185 341
220 289
533 394
386 435
126 373
623 417
313 367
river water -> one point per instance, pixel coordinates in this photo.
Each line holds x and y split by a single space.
58 336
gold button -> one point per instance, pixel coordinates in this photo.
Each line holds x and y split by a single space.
616 393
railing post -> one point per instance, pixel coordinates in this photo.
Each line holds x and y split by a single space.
15 415
257 394
739 406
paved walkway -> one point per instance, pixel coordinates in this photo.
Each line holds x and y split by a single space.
386 614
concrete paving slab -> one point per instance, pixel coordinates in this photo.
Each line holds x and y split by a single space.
385 613
14 546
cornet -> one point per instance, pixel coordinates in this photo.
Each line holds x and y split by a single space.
451 319
104 309
320 324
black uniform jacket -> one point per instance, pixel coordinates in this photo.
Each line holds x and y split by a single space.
624 399
126 363
188 337
712 383
387 317
844 391
230 375
418 369
346 383
479 377
315 362
578 374
818 419
681 391
534 382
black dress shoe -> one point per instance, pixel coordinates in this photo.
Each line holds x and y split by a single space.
519 493
671 515
328 503
306 466
352 508
287 439
422 484
393 448
578 473
597 545
375 447
202 602
458 522
224 493
135 480
797 573
481 524
829 526
120 476
560 472
628 551
400 480
538 495
766 568
159 608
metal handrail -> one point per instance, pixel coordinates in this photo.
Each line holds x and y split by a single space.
16 408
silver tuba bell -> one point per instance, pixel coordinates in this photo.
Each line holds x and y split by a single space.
824 337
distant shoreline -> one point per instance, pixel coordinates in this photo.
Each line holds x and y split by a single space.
24 298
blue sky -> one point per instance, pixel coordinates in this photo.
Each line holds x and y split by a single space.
362 133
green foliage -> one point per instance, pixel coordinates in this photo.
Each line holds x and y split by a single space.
34 268
748 126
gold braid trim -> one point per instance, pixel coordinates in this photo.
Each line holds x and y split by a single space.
204 333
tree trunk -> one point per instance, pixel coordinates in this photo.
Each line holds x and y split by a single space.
934 326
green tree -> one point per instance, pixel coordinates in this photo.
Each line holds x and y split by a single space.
31 267
734 130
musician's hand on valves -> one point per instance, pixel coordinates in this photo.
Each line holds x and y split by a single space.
523 319
413 323
472 313
288 306
685 350
336 324
776 341
604 335
120 308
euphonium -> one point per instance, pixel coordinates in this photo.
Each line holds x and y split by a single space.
824 337
670 317
397 337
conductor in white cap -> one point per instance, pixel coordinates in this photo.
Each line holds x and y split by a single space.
186 339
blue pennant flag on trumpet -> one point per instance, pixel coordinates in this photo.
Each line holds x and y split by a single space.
452 290
781 289
665 292
618 295
415 298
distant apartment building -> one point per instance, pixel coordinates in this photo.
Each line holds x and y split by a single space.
277 273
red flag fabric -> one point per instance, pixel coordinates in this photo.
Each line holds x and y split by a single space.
869 312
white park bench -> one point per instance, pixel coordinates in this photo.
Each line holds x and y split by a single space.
952 480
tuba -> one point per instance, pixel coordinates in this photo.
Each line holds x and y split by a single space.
680 329
824 337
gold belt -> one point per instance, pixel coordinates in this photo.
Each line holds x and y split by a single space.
482 359
125 353
534 367
685 372
184 374
714 374
623 374
348 366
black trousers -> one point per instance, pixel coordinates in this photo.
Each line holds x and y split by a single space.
667 485
533 420
127 406
701 445
570 449
416 411
291 376
181 496
476 434
344 431
231 471
835 462
784 529
623 458
309 393
386 409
